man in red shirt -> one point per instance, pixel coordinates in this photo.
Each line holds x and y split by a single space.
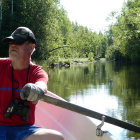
22 84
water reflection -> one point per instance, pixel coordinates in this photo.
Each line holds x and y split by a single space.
110 88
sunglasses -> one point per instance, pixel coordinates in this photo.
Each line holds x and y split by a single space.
14 43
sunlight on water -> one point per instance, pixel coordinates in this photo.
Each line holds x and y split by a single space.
99 100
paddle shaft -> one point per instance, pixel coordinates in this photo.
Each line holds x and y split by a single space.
90 113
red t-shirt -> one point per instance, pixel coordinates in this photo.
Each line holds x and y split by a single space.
34 73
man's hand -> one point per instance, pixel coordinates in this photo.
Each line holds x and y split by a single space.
31 92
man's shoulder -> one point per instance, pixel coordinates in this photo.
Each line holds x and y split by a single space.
35 66
5 60
38 74
37 69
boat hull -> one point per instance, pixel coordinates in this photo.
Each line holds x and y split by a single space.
73 126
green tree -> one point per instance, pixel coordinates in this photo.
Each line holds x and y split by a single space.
124 35
30 13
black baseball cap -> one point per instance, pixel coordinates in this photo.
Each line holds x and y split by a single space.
21 35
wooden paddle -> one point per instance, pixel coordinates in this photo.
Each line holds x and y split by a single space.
90 113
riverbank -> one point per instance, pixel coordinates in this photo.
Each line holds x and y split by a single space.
66 63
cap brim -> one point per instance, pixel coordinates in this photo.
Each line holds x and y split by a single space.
11 39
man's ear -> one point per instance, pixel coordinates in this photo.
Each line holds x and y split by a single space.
33 46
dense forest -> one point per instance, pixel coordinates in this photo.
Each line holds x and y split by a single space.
58 37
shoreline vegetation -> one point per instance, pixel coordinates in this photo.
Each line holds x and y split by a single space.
67 63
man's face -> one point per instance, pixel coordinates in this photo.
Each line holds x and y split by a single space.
20 51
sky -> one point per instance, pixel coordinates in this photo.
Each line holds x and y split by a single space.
92 13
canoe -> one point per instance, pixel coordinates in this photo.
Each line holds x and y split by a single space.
72 125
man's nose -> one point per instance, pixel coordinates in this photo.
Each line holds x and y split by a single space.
12 45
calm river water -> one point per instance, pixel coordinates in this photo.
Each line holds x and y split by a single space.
106 87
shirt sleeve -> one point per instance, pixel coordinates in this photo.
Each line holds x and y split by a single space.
4 61
38 74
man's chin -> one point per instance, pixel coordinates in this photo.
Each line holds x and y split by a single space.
14 58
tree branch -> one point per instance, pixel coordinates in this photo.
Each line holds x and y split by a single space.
60 48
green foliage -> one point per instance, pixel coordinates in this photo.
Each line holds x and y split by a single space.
90 56
113 53
30 13
52 28
124 35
